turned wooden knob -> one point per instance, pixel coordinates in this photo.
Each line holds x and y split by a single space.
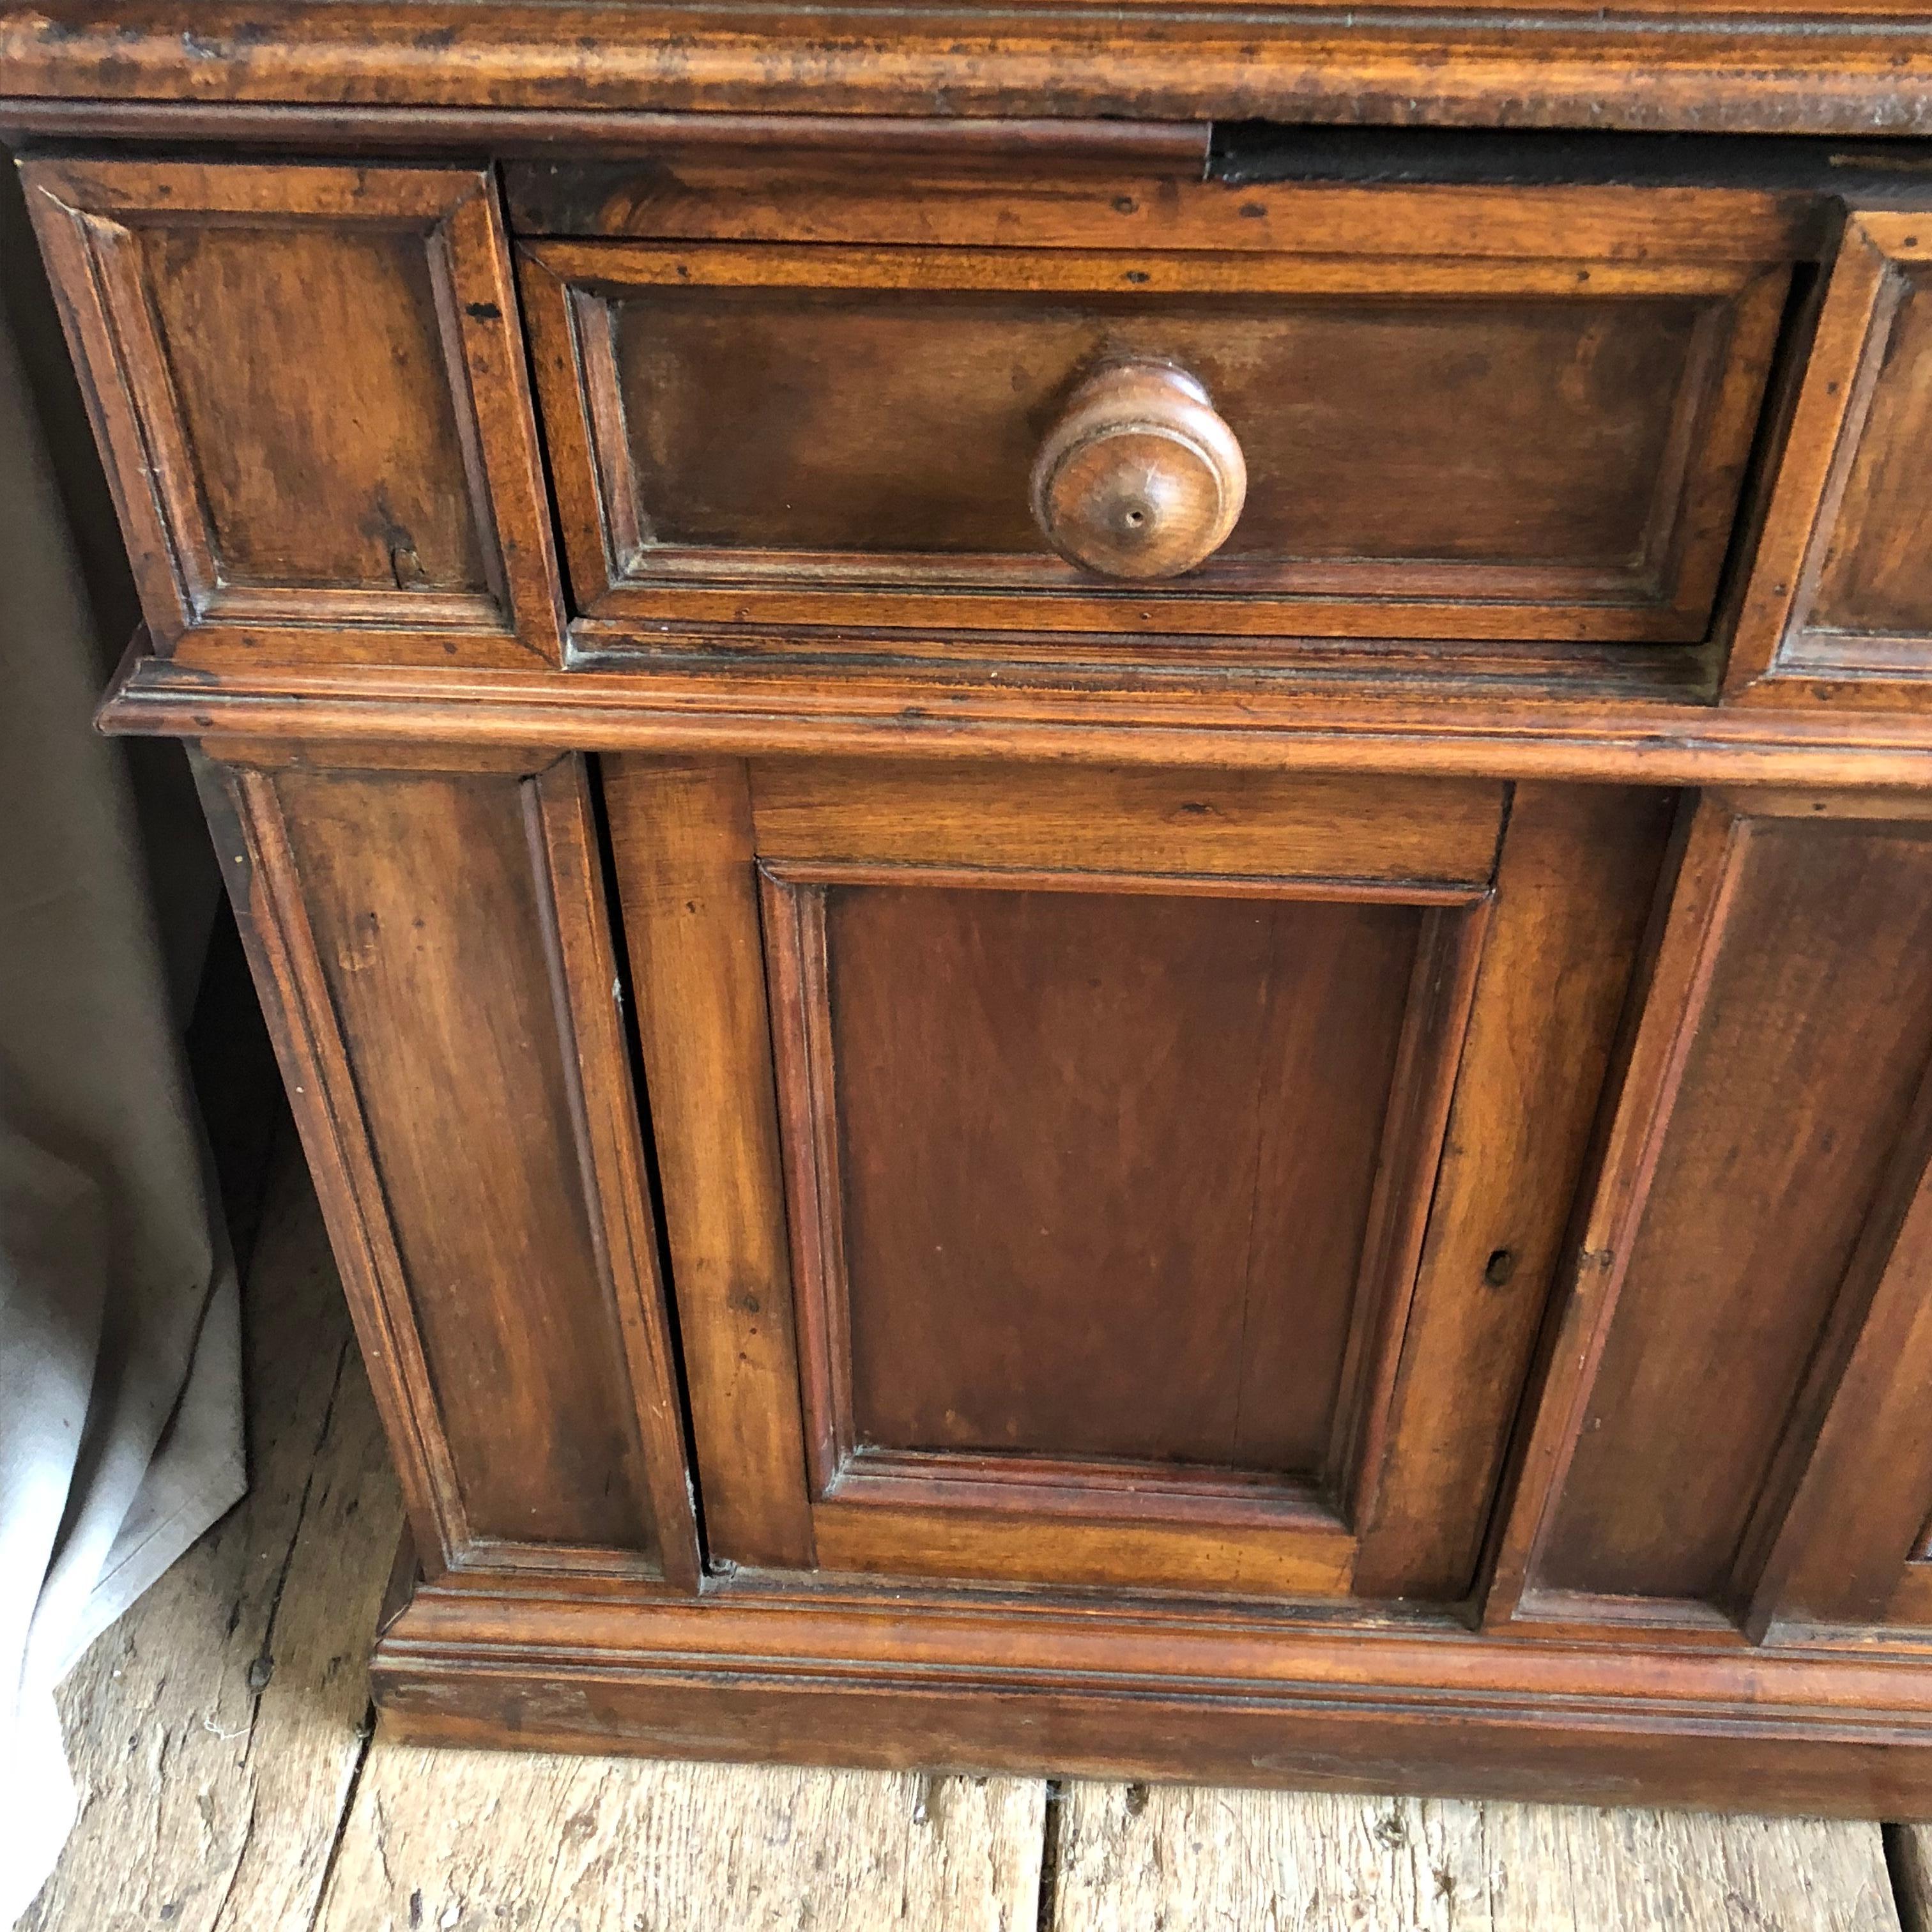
1139 477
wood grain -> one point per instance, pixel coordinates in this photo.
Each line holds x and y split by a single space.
1827 67
1136 1859
460 1838
1057 819
1758 1200
681 843
1074 862
1573 894
1838 605
310 389
1844 1512
598 1842
428 907
1452 446
1003 1287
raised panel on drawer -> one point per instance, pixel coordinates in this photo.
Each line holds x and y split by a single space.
436 945
1841 594
1768 1134
1522 445
308 382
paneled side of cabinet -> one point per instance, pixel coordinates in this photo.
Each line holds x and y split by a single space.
1724 1438
433 947
308 383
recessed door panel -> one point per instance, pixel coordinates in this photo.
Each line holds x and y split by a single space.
1097 1172
1023 1085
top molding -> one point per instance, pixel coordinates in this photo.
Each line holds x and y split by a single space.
1780 67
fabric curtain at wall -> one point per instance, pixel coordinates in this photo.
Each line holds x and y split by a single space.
120 1408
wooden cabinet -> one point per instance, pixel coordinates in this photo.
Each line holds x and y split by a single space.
1842 592
1107 943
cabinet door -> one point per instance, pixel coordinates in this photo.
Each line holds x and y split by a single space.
1141 1178
1735 1431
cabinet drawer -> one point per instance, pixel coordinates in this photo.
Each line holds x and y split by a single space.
1535 447
307 384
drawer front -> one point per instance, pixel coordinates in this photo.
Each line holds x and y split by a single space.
1117 1178
1537 448
307 384
1840 597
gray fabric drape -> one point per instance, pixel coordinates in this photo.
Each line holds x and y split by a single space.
120 1408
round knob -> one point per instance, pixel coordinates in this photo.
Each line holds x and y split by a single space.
1139 477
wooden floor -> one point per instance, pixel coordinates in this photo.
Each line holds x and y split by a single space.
222 1741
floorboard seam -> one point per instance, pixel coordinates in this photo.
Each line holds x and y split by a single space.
262 1667
1051 1816
365 1736
1907 1901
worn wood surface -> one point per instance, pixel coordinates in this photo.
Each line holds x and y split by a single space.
217 1806
312 404
457 1839
1854 67
1550 447
1132 1859
1841 594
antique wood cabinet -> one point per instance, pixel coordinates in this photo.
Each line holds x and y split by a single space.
1094 851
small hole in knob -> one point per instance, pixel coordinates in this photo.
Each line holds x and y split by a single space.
1135 518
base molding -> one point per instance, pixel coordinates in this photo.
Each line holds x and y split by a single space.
918 1681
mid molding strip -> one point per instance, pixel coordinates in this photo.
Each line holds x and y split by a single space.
1304 726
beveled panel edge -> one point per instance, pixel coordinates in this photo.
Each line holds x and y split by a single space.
245 818
1663 1015
921 1487
237 781
1692 928
1728 252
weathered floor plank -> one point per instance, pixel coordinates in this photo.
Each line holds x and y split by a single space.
1133 1859
470 1840
214 1730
